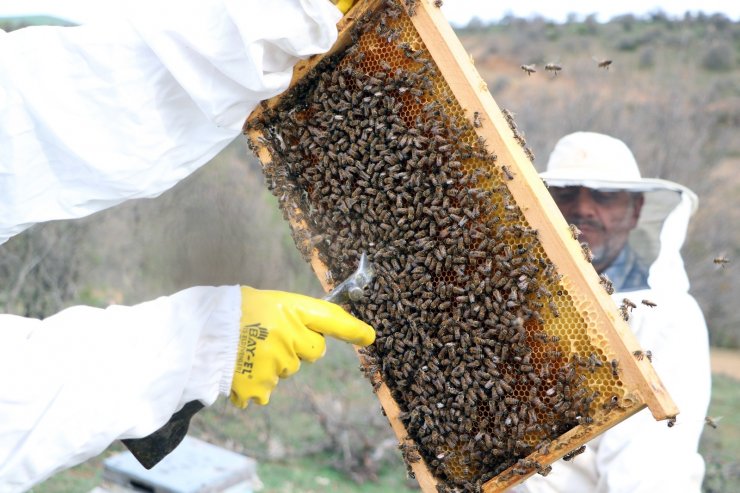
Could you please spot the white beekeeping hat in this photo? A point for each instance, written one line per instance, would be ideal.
(598, 161)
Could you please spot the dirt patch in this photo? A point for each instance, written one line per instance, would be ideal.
(726, 362)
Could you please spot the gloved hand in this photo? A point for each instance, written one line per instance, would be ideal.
(278, 330)
(343, 5)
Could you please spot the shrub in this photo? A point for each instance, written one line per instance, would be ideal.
(719, 58)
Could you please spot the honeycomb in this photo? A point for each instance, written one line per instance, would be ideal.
(490, 354)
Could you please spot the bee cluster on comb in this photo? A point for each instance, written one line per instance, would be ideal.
(482, 346)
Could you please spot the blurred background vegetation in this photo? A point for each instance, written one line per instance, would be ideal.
(672, 94)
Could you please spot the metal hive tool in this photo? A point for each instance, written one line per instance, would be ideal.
(499, 351)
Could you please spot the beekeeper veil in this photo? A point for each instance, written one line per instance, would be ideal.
(604, 163)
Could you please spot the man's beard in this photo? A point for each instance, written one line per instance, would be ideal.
(599, 252)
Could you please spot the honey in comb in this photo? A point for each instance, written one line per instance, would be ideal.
(478, 339)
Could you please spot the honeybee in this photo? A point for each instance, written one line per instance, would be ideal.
(554, 68)
(603, 63)
(543, 447)
(611, 403)
(529, 69)
(554, 309)
(437, 3)
(643, 354)
(589, 256)
(649, 303)
(476, 120)
(573, 453)
(671, 421)
(712, 421)
(721, 260)
(628, 303)
(624, 313)
(606, 283)
(615, 368)
(507, 172)
(594, 360)
(509, 115)
(574, 231)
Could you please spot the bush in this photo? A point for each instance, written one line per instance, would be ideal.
(647, 58)
(719, 58)
(627, 21)
(629, 43)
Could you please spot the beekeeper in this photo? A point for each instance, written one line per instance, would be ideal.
(92, 116)
(635, 228)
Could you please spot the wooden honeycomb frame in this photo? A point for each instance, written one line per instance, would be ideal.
(639, 385)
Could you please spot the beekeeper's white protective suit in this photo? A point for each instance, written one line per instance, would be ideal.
(641, 454)
(92, 116)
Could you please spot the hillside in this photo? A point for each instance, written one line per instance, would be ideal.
(672, 93)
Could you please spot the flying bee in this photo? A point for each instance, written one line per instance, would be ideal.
(639, 355)
(603, 63)
(529, 69)
(649, 303)
(624, 313)
(721, 260)
(628, 303)
(710, 421)
(554, 68)
(437, 3)
(671, 421)
(574, 231)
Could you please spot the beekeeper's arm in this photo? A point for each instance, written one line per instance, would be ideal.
(75, 382)
(642, 455)
(94, 115)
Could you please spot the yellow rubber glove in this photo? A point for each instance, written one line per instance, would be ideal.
(278, 330)
(343, 5)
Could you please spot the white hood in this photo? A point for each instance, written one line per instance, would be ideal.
(601, 162)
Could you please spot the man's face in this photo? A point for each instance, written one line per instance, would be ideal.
(604, 218)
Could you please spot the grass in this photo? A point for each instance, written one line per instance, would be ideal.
(314, 474)
(721, 447)
(80, 479)
(281, 436)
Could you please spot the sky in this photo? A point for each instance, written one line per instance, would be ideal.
(458, 12)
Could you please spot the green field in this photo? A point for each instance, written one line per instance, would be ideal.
(721, 447)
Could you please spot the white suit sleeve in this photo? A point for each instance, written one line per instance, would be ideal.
(644, 455)
(94, 115)
(75, 382)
